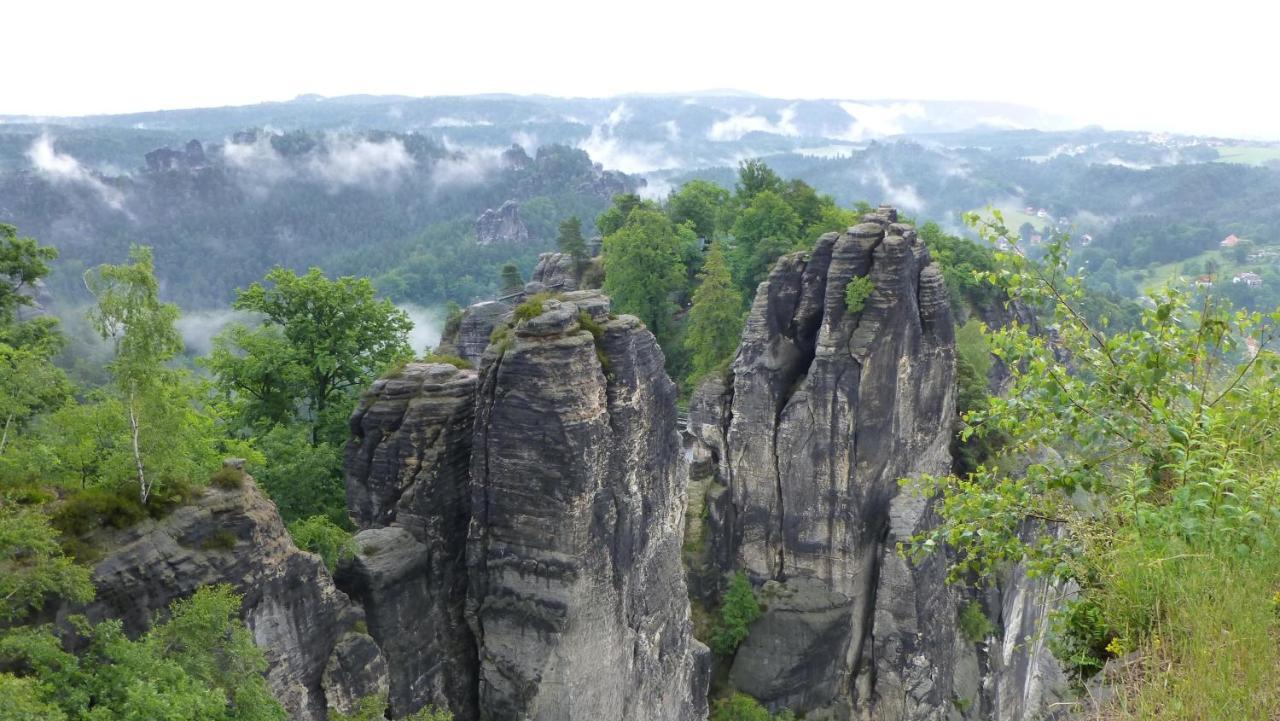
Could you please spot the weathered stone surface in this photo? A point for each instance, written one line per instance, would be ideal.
(501, 226)
(557, 271)
(303, 623)
(828, 409)
(474, 328)
(408, 485)
(577, 598)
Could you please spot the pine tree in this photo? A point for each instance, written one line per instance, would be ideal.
(512, 282)
(571, 241)
(715, 320)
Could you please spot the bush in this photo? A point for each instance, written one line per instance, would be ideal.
(973, 623)
(325, 538)
(452, 360)
(228, 478)
(737, 613)
(220, 540)
(856, 293)
(741, 707)
(373, 708)
(531, 308)
(93, 508)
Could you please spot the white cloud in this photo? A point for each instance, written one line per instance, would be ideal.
(199, 327)
(64, 169)
(739, 124)
(903, 196)
(877, 121)
(673, 130)
(426, 327)
(344, 161)
(606, 148)
(470, 166)
(447, 122)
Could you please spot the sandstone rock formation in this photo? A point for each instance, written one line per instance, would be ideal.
(556, 511)
(474, 328)
(409, 488)
(189, 158)
(577, 596)
(501, 226)
(826, 410)
(308, 629)
(555, 270)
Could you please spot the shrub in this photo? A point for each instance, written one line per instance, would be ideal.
(228, 478)
(94, 508)
(741, 707)
(220, 540)
(856, 293)
(452, 360)
(373, 708)
(531, 308)
(973, 623)
(739, 610)
(323, 537)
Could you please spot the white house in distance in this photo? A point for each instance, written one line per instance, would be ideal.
(1253, 280)
(1230, 241)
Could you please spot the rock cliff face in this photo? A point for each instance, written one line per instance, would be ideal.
(553, 517)
(474, 328)
(306, 626)
(555, 270)
(501, 226)
(827, 408)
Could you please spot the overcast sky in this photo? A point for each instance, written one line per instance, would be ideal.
(1180, 66)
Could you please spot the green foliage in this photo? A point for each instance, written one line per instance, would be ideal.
(512, 281)
(973, 364)
(200, 664)
(857, 292)
(32, 565)
(737, 613)
(570, 240)
(754, 178)
(373, 708)
(741, 707)
(23, 261)
(100, 507)
(303, 479)
(227, 478)
(220, 540)
(23, 701)
(715, 319)
(643, 269)
(531, 308)
(702, 204)
(617, 215)
(321, 340)
(323, 537)
(453, 360)
(973, 622)
(766, 229)
(1163, 470)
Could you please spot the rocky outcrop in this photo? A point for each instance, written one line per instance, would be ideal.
(501, 226)
(409, 489)
(474, 328)
(317, 658)
(520, 557)
(556, 271)
(577, 596)
(191, 157)
(828, 407)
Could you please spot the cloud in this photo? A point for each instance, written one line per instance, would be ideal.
(528, 141)
(447, 122)
(63, 169)
(739, 124)
(877, 121)
(606, 148)
(199, 327)
(462, 169)
(673, 130)
(426, 326)
(342, 161)
(353, 161)
(903, 196)
(655, 189)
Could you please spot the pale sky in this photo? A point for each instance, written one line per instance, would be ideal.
(1202, 67)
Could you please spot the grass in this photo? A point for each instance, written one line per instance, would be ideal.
(1213, 652)
(452, 360)
(228, 478)
(1249, 154)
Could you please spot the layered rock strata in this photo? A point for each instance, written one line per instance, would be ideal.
(570, 477)
(827, 408)
(309, 630)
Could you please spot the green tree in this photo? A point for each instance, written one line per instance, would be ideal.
(613, 218)
(512, 281)
(200, 664)
(739, 610)
(155, 399)
(570, 239)
(643, 269)
(755, 177)
(763, 232)
(715, 319)
(320, 341)
(23, 262)
(701, 203)
(32, 565)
